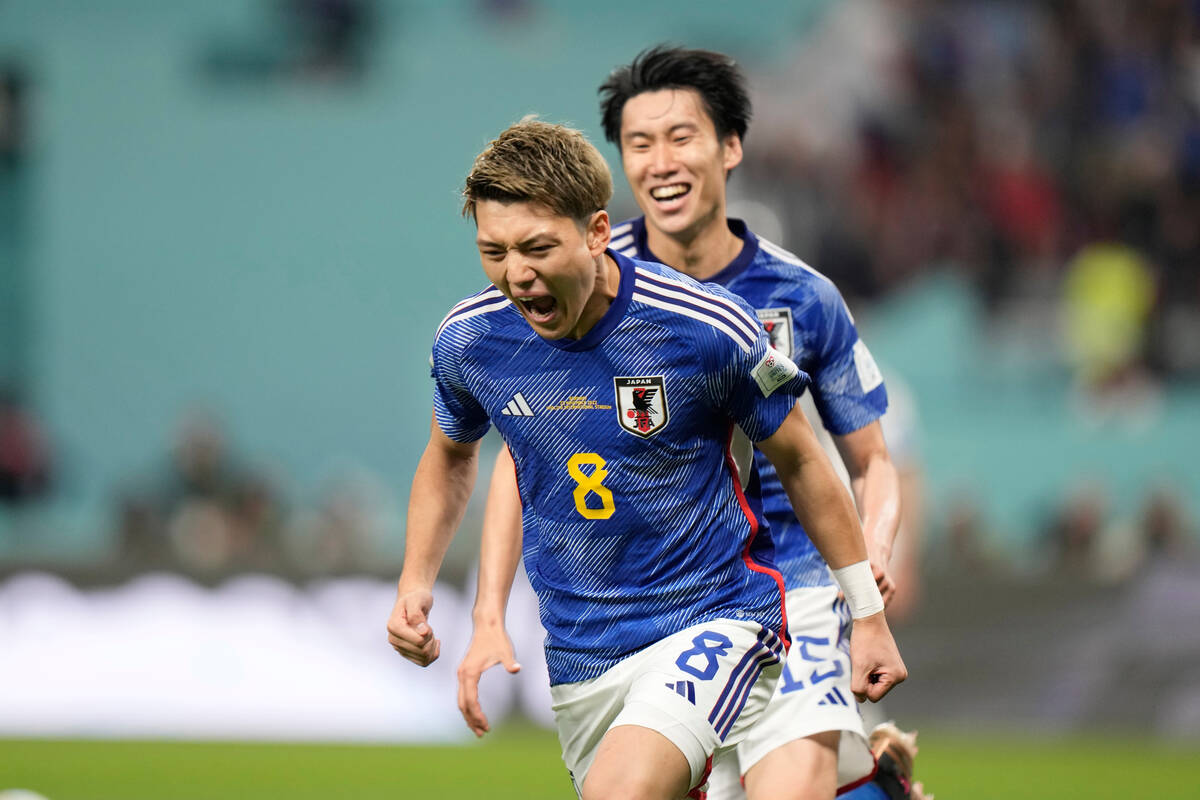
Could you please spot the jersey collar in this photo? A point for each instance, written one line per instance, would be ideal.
(611, 317)
(731, 270)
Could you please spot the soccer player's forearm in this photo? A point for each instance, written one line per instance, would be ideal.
(877, 494)
(875, 483)
(500, 549)
(440, 489)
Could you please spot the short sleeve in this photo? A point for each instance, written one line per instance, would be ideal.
(847, 385)
(458, 413)
(757, 386)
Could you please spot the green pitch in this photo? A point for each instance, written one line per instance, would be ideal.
(523, 763)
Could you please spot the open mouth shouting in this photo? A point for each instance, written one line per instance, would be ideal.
(670, 197)
(541, 309)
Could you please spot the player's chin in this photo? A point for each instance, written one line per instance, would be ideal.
(671, 221)
(545, 331)
(556, 327)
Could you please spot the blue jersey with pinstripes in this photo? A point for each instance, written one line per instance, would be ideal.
(808, 322)
(636, 524)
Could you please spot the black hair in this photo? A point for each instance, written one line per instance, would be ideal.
(715, 77)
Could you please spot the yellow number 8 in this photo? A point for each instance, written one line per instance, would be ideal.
(590, 484)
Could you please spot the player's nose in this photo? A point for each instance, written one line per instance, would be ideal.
(519, 271)
(662, 159)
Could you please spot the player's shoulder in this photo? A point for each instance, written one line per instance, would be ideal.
(793, 270)
(802, 285)
(626, 235)
(473, 314)
(688, 303)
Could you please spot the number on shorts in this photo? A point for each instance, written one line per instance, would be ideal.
(590, 484)
(789, 682)
(710, 645)
(816, 676)
(804, 642)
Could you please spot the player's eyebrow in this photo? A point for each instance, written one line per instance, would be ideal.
(529, 241)
(678, 126)
(538, 238)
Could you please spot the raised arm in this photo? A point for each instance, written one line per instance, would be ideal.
(440, 489)
(499, 556)
(876, 487)
(827, 513)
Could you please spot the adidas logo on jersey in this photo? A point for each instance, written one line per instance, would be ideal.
(517, 407)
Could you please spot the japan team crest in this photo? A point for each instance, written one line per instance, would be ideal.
(778, 322)
(642, 405)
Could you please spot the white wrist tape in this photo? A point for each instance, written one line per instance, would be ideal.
(858, 585)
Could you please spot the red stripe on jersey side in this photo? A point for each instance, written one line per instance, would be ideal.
(753, 520)
(516, 479)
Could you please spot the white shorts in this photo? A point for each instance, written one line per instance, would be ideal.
(813, 696)
(702, 688)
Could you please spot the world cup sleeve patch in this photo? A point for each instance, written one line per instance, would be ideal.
(772, 371)
(869, 376)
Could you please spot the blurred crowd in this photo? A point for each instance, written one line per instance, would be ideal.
(1048, 151)
(206, 509)
(1085, 538)
(1080, 537)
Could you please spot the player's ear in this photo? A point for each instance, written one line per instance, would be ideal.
(731, 152)
(598, 232)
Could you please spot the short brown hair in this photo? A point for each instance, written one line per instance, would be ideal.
(539, 162)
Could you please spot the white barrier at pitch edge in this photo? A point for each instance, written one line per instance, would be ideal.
(255, 658)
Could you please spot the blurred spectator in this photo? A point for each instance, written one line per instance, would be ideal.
(1108, 294)
(1074, 530)
(341, 533)
(12, 115)
(329, 37)
(25, 463)
(1160, 533)
(965, 548)
(203, 509)
(1165, 529)
(321, 41)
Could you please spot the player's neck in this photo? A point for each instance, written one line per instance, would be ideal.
(608, 284)
(701, 254)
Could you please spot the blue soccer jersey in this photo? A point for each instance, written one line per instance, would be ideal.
(808, 321)
(636, 524)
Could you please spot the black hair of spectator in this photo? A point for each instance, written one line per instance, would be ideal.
(717, 78)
